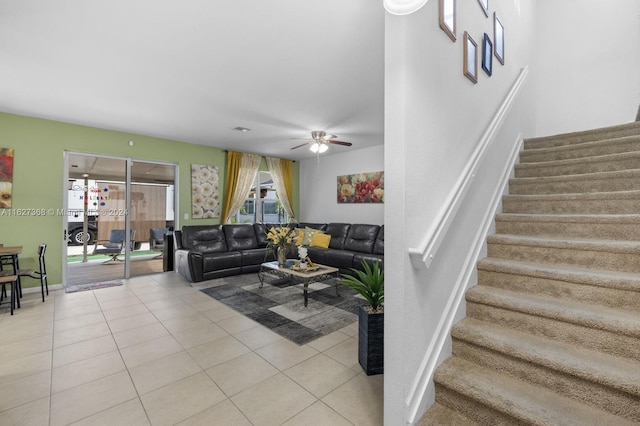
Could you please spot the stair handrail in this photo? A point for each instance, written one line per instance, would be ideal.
(423, 255)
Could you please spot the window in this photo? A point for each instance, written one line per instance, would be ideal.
(262, 203)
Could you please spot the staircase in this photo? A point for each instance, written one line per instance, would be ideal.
(552, 333)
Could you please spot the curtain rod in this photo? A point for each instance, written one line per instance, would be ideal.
(264, 156)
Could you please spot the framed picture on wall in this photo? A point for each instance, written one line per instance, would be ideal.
(361, 188)
(470, 62)
(487, 54)
(498, 38)
(448, 18)
(484, 4)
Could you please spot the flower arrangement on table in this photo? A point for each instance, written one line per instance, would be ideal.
(281, 238)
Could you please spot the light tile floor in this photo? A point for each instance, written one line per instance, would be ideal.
(158, 351)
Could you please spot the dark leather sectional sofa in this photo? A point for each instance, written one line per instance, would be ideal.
(205, 252)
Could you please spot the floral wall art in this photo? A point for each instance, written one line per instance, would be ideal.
(205, 198)
(361, 188)
(6, 177)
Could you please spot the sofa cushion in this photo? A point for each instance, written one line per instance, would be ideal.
(378, 247)
(338, 232)
(257, 256)
(320, 239)
(368, 258)
(261, 234)
(204, 238)
(318, 226)
(240, 237)
(220, 261)
(340, 259)
(361, 238)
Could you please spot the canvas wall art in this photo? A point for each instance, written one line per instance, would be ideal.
(361, 188)
(6, 177)
(205, 194)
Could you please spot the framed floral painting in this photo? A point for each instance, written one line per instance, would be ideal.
(6, 177)
(205, 198)
(361, 188)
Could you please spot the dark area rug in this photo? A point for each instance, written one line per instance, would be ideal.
(279, 305)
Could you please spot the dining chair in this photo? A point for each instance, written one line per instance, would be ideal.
(13, 280)
(40, 273)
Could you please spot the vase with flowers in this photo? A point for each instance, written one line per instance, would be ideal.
(280, 239)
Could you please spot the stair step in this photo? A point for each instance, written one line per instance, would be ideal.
(581, 150)
(608, 255)
(612, 289)
(609, 330)
(621, 202)
(574, 166)
(624, 180)
(621, 130)
(613, 227)
(439, 415)
(493, 398)
(605, 381)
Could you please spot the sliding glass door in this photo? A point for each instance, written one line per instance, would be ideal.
(114, 205)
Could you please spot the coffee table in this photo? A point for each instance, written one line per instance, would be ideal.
(298, 276)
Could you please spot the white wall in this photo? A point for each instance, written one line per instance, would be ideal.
(435, 118)
(587, 68)
(318, 186)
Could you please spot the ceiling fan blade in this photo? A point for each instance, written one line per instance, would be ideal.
(340, 143)
(306, 143)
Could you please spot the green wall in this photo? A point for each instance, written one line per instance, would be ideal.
(38, 177)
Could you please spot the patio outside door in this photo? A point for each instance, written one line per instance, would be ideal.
(109, 196)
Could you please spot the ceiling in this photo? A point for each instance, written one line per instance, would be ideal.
(194, 70)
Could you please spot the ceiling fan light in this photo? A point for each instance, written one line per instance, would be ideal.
(314, 147)
(323, 148)
(403, 7)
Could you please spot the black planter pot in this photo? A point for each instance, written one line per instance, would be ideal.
(371, 341)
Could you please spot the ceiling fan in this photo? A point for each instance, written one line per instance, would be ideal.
(320, 142)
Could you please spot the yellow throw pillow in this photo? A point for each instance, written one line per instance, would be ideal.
(320, 239)
(300, 237)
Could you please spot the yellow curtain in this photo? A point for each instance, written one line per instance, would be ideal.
(234, 160)
(287, 177)
(242, 170)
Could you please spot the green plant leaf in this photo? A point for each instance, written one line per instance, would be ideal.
(368, 282)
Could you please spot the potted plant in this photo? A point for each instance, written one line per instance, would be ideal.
(369, 282)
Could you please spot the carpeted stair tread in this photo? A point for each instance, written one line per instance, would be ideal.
(440, 415)
(578, 244)
(585, 244)
(615, 227)
(601, 163)
(583, 314)
(616, 202)
(528, 404)
(621, 130)
(607, 279)
(581, 150)
(622, 180)
(614, 372)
